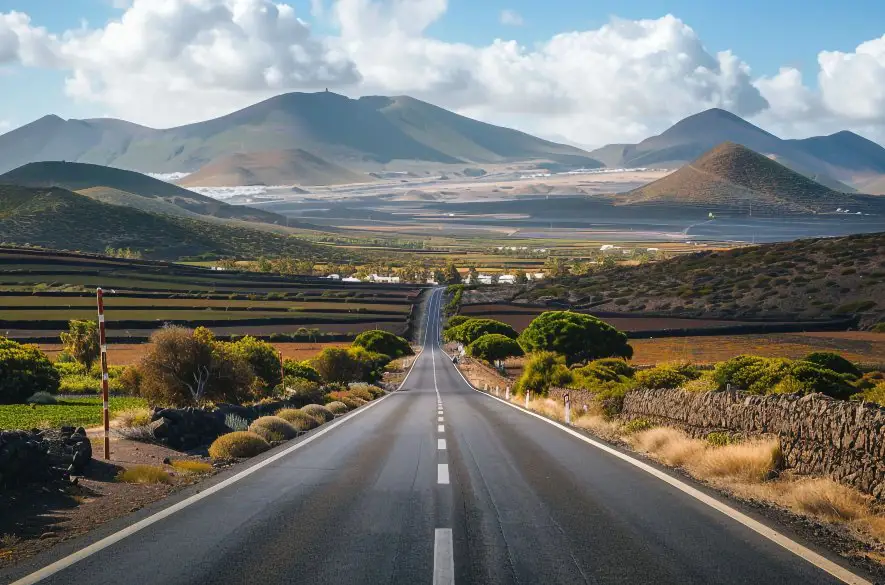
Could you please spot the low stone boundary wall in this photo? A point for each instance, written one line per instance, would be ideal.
(819, 435)
(41, 456)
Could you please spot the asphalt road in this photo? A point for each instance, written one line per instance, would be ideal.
(436, 483)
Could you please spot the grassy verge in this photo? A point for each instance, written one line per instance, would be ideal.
(84, 412)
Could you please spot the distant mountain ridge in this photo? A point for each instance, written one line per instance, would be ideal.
(829, 160)
(362, 135)
(732, 178)
(130, 189)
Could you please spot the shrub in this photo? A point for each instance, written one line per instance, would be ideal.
(454, 321)
(542, 371)
(577, 336)
(271, 427)
(144, 474)
(701, 385)
(70, 368)
(718, 439)
(236, 422)
(261, 356)
(299, 419)
(667, 376)
(618, 365)
(346, 398)
(130, 380)
(133, 417)
(472, 329)
(638, 425)
(875, 395)
(24, 370)
(833, 361)
(237, 445)
(301, 391)
(81, 341)
(185, 367)
(367, 392)
(319, 412)
(383, 342)
(41, 398)
(190, 466)
(302, 370)
(337, 407)
(350, 365)
(493, 347)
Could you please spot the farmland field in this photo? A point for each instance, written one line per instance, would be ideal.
(80, 411)
(124, 354)
(40, 291)
(859, 346)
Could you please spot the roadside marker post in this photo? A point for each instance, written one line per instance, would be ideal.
(497, 390)
(103, 344)
(507, 393)
(528, 396)
(568, 410)
(282, 371)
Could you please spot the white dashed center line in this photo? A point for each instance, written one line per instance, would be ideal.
(442, 473)
(441, 444)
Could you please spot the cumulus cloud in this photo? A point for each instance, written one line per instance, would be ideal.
(21, 42)
(511, 18)
(160, 55)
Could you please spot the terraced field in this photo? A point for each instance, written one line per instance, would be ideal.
(40, 291)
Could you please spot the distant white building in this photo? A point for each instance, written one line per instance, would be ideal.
(607, 247)
(334, 277)
(431, 281)
(351, 279)
(535, 275)
(484, 278)
(384, 279)
(507, 279)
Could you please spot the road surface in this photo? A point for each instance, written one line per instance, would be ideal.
(436, 483)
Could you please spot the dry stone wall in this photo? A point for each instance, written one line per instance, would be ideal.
(819, 435)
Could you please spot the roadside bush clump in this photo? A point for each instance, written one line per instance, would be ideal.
(133, 417)
(236, 422)
(190, 466)
(144, 474)
(617, 365)
(833, 361)
(81, 341)
(576, 336)
(638, 425)
(367, 392)
(345, 398)
(337, 407)
(299, 419)
(454, 321)
(542, 371)
(273, 428)
(24, 370)
(759, 375)
(319, 412)
(383, 342)
(472, 329)
(236, 445)
(347, 365)
(295, 369)
(667, 376)
(261, 356)
(301, 391)
(493, 347)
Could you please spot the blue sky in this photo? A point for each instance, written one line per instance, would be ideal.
(764, 34)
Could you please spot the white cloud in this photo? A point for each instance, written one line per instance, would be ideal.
(174, 61)
(511, 18)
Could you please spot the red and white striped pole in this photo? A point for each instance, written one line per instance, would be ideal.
(103, 343)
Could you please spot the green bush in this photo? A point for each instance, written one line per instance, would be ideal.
(472, 329)
(383, 342)
(301, 392)
(667, 376)
(493, 347)
(759, 375)
(337, 407)
(718, 439)
(81, 341)
(618, 365)
(454, 321)
(24, 370)
(69, 368)
(319, 412)
(543, 371)
(236, 445)
(299, 419)
(296, 369)
(273, 428)
(638, 425)
(577, 336)
(261, 356)
(355, 364)
(835, 362)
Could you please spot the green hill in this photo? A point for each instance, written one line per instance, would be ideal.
(732, 178)
(800, 280)
(130, 189)
(59, 219)
(279, 167)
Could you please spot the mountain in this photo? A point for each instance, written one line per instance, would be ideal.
(363, 135)
(276, 167)
(690, 138)
(735, 179)
(855, 156)
(131, 189)
(60, 219)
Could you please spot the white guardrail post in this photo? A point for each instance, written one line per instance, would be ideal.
(528, 397)
(568, 410)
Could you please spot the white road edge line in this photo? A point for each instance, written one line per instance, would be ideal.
(443, 557)
(107, 541)
(441, 444)
(794, 547)
(442, 473)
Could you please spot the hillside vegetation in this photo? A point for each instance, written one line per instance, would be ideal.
(130, 189)
(735, 179)
(802, 280)
(60, 219)
(278, 167)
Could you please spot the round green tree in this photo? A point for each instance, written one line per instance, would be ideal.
(384, 342)
(24, 370)
(472, 329)
(576, 336)
(494, 347)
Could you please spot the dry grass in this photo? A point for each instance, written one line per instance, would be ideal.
(299, 419)
(671, 446)
(191, 466)
(599, 425)
(547, 407)
(824, 498)
(144, 474)
(750, 461)
(337, 408)
(132, 417)
(236, 445)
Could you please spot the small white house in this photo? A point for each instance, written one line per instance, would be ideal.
(351, 279)
(507, 279)
(334, 277)
(484, 278)
(384, 279)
